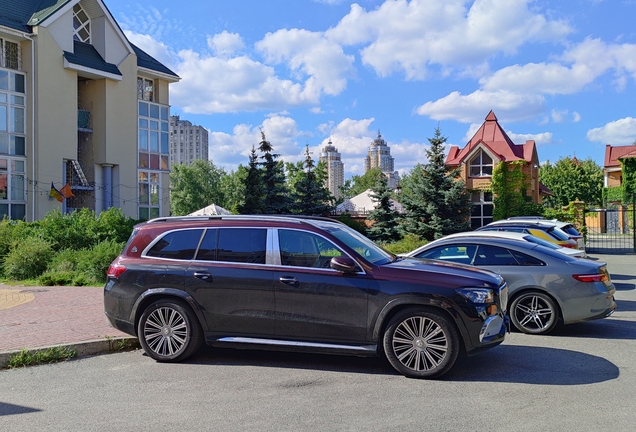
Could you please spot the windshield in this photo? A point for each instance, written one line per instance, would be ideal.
(356, 241)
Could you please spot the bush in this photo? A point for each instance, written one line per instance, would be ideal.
(96, 261)
(346, 219)
(406, 244)
(27, 259)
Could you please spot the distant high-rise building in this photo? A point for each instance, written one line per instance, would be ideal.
(379, 156)
(188, 142)
(335, 168)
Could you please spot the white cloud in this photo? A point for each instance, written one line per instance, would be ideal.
(225, 44)
(157, 50)
(409, 36)
(310, 56)
(474, 107)
(576, 117)
(540, 139)
(559, 116)
(213, 85)
(622, 131)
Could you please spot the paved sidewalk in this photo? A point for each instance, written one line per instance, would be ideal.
(41, 317)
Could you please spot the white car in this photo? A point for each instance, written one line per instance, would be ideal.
(568, 228)
(577, 253)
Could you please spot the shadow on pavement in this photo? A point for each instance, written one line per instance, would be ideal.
(10, 409)
(624, 286)
(534, 365)
(607, 328)
(513, 364)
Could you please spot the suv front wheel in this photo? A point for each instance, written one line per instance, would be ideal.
(421, 343)
(169, 331)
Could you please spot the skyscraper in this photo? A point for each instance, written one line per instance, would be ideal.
(335, 168)
(188, 142)
(379, 156)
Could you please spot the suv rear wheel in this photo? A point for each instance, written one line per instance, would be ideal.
(169, 331)
(420, 343)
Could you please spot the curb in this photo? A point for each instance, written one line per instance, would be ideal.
(87, 348)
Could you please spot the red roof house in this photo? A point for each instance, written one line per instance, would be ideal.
(612, 169)
(488, 147)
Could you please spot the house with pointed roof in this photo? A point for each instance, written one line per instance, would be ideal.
(477, 159)
(612, 167)
(83, 111)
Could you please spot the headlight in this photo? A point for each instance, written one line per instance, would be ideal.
(477, 295)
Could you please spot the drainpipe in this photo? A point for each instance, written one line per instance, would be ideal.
(108, 186)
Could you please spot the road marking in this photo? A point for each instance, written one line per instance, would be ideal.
(12, 298)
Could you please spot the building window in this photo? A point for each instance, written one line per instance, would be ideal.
(81, 25)
(481, 212)
(12, 145)
(9, 54)
(145, 89)
(154, 155)
(481, 165)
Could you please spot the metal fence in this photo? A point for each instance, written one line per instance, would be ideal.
(611, 230)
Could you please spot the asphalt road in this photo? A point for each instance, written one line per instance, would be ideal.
(580, 378)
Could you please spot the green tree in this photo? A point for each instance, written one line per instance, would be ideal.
(434, 197)
(361, 183)
(276, 199)
(570, 180)
(195, 186)
(233, 186)
(385, 218)
(310, 197)
(254, 189)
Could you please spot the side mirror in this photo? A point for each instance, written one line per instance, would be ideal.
(344, 264)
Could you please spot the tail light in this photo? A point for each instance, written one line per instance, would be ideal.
(601, 276)
(115, 270)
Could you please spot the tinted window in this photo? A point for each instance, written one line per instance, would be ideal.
(526, 260)
(462, 254)
(570, 230)
(494, 256)
(244, 245)
(207, 250)
(558, 234)
(177, 245)
(303, 249)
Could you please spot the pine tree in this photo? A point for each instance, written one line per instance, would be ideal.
(434, 197)
(254, 191)
(385, 218)
(276, 199)
(310, 197)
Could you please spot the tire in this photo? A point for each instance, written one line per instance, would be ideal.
(534, 312)
(420, 343)
(169, 331)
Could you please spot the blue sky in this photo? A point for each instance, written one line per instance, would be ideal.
(560, 73)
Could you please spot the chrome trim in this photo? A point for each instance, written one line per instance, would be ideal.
(287, 343)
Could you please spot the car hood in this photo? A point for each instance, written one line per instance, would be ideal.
(441, 273)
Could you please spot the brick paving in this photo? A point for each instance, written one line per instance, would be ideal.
(34, 317)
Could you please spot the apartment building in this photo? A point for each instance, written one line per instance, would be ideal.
(379, 156)
(335, 168)
(81, 107)
(188, 142)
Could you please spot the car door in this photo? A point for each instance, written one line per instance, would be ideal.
(313, 301)
(231, 280)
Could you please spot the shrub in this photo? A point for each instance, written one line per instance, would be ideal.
(346, 219)
(95, 262)
(27, 259)
(406, 244)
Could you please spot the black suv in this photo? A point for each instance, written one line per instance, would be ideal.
(301, 284)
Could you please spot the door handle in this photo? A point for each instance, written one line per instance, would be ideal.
(203, 276)
(287, 280)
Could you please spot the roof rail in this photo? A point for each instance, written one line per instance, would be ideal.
(260, 217)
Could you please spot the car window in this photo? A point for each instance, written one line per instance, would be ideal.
(356, 241)
(462, 254)
(177, 245)
(569, 229)
(525, 260)
(304, 249)
(494, 256)
(558, 234)
(540, 241)
(207, 250)
(243, 245)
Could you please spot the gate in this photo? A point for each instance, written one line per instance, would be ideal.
(611, 230)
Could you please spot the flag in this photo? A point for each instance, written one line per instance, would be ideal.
(55, 193)
(66, 191)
